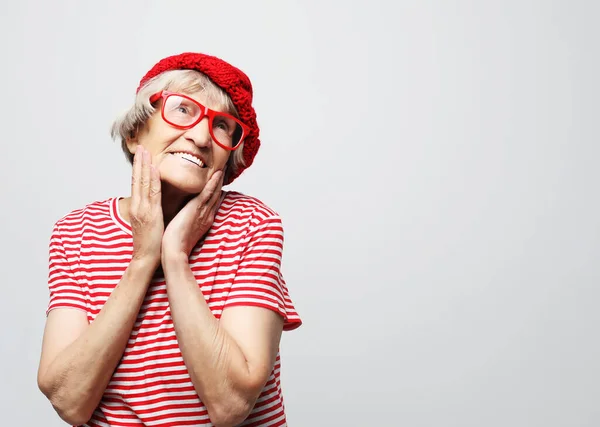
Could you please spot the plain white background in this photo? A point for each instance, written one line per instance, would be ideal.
(435, 164)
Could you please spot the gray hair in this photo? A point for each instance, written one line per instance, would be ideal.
(189, 81)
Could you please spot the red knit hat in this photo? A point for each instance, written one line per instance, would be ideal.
(229, 78)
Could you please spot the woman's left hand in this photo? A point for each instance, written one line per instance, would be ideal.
(194, 220)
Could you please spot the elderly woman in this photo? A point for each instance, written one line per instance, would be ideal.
(166, 308)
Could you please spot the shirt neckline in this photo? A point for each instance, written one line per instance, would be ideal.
(126, 226)
(116, 216)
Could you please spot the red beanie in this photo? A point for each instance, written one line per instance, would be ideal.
(232, 80)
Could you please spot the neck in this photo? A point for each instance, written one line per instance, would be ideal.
(173, 201)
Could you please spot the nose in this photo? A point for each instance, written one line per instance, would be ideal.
(200, 134)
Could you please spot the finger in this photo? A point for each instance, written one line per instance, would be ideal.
(206, 210)
(205, 201)
(211, 186)
(136, 174)
(217, 193)
(215, 203)
(212, 206)
(155, 192)
(145, 178)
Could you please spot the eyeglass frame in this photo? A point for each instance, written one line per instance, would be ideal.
(204, 112)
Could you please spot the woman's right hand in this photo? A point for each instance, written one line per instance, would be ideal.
(145, 210)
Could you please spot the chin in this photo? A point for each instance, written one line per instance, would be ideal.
(185, 186)
(184, 180)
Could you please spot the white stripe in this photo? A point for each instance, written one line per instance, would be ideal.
(147, 352)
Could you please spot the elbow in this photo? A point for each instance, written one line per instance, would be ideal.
(73, 416)
(232, 404)
(228, 417)
(229, 413)
(70, 410)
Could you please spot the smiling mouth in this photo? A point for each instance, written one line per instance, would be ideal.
(190, 158)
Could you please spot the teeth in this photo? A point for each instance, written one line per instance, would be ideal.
(191, 158)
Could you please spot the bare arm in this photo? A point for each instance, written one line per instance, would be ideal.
(78, 359)
(230, 360)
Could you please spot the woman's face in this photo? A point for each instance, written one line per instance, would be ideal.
(170, 146)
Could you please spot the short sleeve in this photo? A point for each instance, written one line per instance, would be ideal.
(64, 289)
(259, 281)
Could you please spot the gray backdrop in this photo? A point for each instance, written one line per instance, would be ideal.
(435, 164)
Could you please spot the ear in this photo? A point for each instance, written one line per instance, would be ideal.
(132, 141)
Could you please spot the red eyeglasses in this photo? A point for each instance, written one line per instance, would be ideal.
(183, 112)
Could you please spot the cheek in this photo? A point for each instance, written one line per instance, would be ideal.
(158, 159)
(159, 137)
(220, 158)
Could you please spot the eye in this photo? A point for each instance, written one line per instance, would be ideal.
(221, 125)
(177, 105)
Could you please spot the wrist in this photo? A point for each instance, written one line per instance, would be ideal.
(142, 268)
(146, 257)
(173, 258)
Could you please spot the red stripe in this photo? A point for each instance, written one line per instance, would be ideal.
(237, 265)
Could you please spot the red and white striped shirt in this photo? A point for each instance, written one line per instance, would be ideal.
(238, 263)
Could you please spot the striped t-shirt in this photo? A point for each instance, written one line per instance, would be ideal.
(238, 263)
